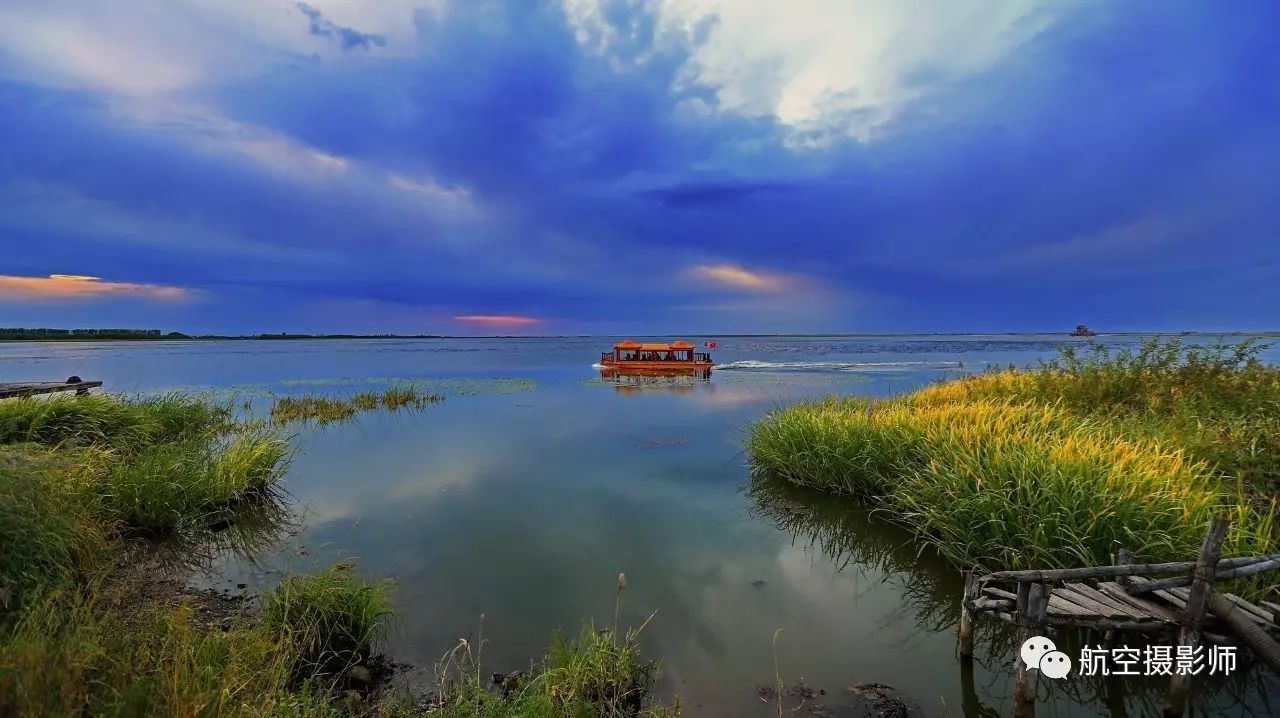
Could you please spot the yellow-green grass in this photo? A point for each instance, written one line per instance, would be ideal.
(995, 474)
(596, 675)
(74, 653)
(330, 409)
(77, 475)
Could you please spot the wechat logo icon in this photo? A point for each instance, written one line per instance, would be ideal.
(1041, 654)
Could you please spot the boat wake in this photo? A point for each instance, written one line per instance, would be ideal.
(857, 366)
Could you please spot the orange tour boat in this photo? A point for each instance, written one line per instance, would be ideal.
(677, 356)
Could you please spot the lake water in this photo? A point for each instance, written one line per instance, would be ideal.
(524, 503)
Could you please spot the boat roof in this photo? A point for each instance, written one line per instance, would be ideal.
(628, 344)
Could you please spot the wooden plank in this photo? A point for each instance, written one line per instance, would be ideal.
(1063, 607)
(1274, 608)
(994, 592)
(1114, 590)
(1102, 609)
(1175, 601)
(32, 388)
(1108, 624)
(1116, 609)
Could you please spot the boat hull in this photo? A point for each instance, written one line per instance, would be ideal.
(652, 367)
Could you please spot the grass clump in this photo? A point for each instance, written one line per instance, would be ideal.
(1220, 403)
(76, 652)
(79, 636)
(592, 676)
(333, 618)
(1055, 467)
(327, 410)
(126, 425)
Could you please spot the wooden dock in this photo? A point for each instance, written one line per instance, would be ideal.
(32, 388)
(1181, 607)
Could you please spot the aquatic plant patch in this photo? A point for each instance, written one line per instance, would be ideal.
(999, 471)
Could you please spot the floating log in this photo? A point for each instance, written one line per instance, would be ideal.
(1241, 620)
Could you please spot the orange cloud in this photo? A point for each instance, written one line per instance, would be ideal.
(497, 320)
(75, 286)
(737, 276)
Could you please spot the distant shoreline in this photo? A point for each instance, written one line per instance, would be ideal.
(175, 337)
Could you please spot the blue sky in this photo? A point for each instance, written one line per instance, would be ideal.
(589, 166)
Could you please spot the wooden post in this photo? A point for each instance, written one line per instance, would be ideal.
(1033, 605)
(966, 616)
(1123, 558)
(1198, 600)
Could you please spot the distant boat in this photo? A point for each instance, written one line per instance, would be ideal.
(677, 356)
(1083, 331)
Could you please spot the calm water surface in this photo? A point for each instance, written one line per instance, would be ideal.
(524, 506)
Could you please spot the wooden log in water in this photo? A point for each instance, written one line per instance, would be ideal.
(1197, 602)
(1246, 627)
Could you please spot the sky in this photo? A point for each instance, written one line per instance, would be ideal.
(624, 167)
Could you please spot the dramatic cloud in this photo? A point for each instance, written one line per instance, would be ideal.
(644, 165)
(72, 286)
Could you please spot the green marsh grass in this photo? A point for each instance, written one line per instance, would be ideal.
(75, 653)
(595, 675)
(109, 421)
(1055, 467)
(334, 617)
(80, 475)
(332, 409)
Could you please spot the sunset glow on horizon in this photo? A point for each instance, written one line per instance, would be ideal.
(79, 286)
(497, 320)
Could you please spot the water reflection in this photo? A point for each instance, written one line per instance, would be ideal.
(853, 538)
(675, 381)
(246, 531)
